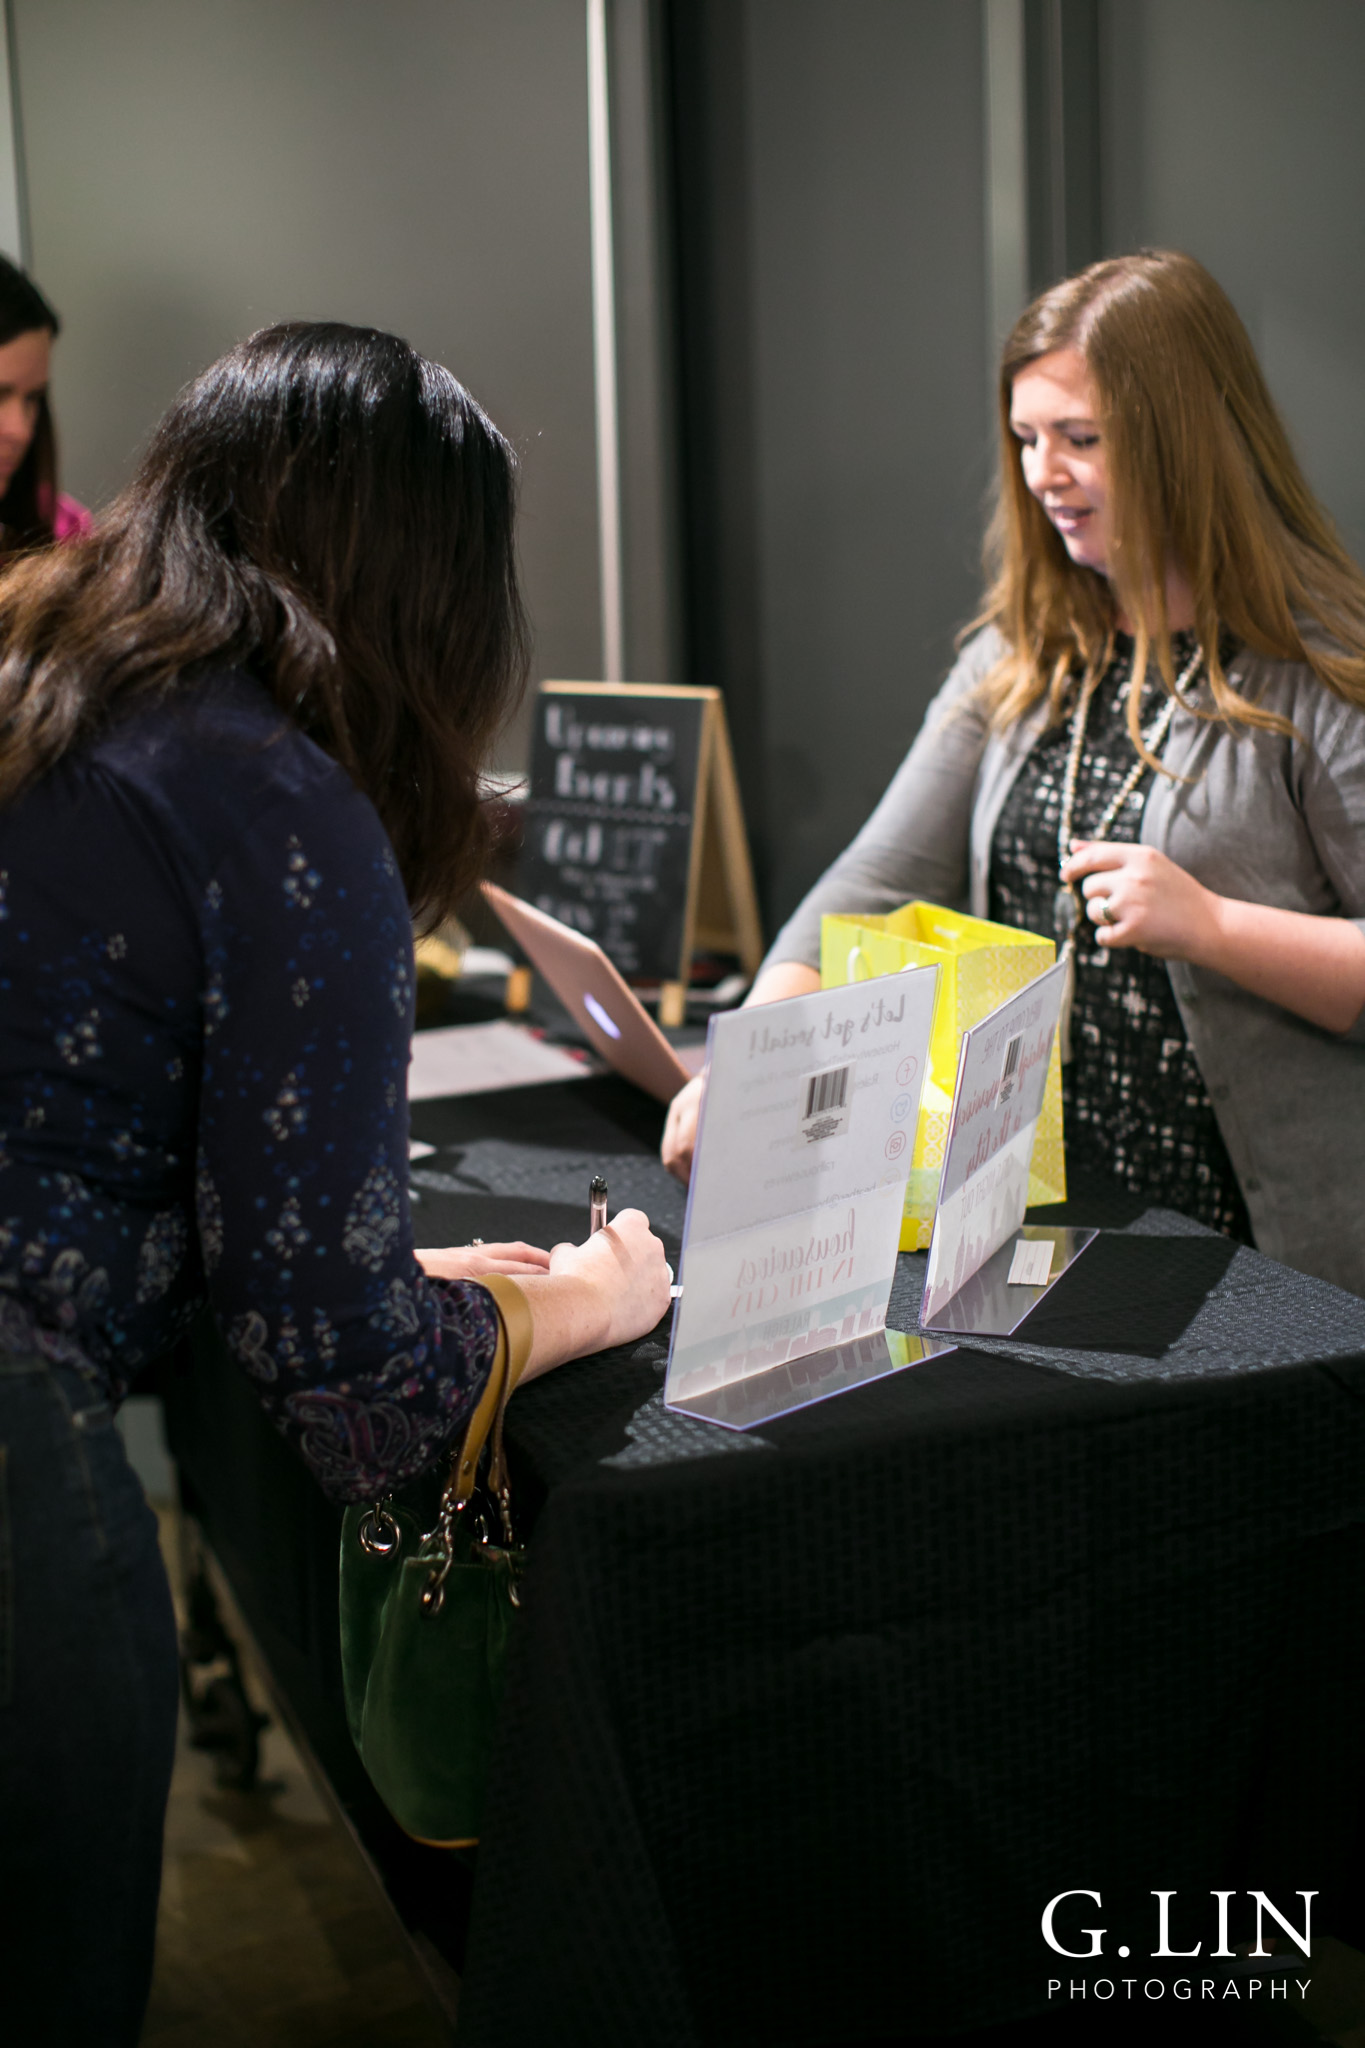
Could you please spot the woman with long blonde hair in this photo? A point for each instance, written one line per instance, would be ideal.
(1152, 746)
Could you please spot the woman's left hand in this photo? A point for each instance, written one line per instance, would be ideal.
(472, 1261)
(1311, 965)
(1135, 896)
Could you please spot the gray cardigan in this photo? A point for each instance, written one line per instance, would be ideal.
(1261, 816)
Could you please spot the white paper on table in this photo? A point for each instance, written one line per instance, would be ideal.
(798, 1180)
(1031, 1265)
(473, 1059)
(1001, 1081)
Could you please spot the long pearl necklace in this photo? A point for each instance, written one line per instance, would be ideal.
(1068, 904)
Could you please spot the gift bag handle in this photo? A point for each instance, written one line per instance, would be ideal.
(856, 954)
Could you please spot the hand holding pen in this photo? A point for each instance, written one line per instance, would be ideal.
(597, 1220)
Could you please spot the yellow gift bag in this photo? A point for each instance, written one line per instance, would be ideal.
(979, 965)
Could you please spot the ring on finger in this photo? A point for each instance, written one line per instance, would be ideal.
(1108, 915)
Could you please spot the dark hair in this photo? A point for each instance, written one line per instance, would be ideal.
(324, 506)
(29, 505)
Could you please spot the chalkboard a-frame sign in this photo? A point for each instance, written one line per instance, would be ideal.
(634, 832)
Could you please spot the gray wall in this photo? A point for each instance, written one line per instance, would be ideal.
(853, 513)
(1233, 129)
(852, 463)
(197, 168)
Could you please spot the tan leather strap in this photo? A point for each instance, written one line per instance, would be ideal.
(509, 1362)
(515, 1311)
(466, 1466)
(518, 1330)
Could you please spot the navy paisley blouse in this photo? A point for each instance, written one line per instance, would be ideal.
(206, 1001)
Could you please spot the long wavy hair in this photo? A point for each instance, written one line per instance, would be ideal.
(328, 509)
(29, 506)
(1200, 472)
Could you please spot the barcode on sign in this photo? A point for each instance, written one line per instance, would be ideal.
(825, 1103)
(1009, 1079)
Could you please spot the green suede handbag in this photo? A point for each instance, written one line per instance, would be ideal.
(425, 1620)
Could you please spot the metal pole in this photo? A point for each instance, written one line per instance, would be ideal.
(13, 207)
(1007, 252)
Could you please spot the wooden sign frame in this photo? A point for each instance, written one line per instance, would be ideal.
(721, 910)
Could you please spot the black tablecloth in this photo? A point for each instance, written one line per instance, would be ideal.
(804, 1728)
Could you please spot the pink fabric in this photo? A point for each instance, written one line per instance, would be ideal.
(71, 518)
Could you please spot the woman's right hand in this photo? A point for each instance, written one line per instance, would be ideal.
(680, 1129)
(609, 1290)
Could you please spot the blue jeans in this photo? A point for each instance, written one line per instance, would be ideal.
(88, 1700)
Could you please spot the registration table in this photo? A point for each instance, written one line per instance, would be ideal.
(804, 1727)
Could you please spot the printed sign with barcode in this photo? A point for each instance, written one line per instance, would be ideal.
(1009, 1078)
(825, 1103)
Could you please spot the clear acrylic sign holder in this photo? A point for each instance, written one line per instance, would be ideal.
(982, 1279)
(795, 1203)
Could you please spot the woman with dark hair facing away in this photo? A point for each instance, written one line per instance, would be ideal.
(32, 510)
(1153, 743)
(242, 724)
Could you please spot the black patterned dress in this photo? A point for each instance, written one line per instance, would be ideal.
(1134, 1102)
